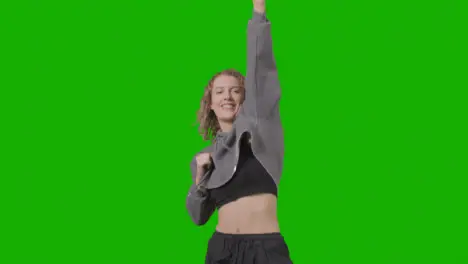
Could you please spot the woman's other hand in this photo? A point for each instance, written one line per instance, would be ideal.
(203, 164)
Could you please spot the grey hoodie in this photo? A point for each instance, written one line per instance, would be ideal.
(258, 116)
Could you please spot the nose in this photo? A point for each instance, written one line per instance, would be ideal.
(227, 96)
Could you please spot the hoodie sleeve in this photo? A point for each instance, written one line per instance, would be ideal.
(262, 85)
(199, 206)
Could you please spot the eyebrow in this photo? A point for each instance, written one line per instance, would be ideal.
(218, 87)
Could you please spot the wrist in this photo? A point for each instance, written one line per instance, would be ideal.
(258, 17)
(259, 9)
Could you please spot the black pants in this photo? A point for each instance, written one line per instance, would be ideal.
(247, 249)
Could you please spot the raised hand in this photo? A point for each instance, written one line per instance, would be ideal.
(259, 6)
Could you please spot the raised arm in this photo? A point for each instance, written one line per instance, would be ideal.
(262, 93)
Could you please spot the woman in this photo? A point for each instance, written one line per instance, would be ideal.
(239, 173)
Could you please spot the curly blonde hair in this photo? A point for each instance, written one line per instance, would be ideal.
(208, 122)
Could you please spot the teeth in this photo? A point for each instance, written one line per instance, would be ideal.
(228, 106)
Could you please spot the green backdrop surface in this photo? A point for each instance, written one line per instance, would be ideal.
(103, 128)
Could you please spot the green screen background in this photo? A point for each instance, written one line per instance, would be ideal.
(100, 131)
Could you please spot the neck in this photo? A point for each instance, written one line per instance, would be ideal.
(225, 127)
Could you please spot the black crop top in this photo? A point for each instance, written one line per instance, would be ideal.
(250, 178)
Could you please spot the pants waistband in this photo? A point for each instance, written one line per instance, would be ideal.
(263, 236)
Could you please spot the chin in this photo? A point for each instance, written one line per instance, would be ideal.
(227, 118)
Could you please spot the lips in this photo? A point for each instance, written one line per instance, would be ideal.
(228, 107)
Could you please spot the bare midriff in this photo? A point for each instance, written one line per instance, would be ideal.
(256, 214)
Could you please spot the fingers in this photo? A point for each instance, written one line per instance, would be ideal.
(259, 6)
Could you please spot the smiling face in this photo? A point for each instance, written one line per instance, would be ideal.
(226, 98)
